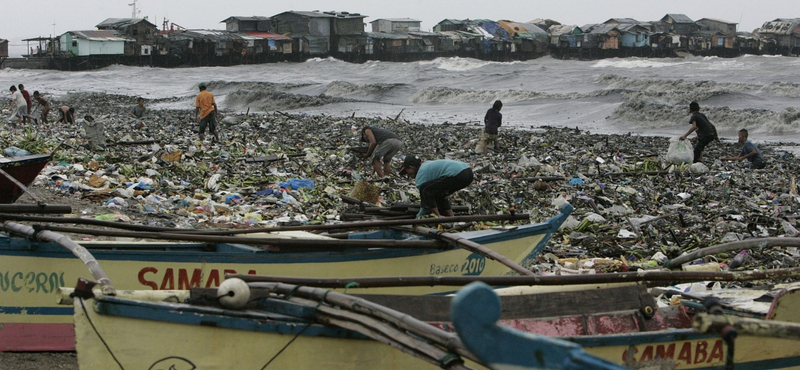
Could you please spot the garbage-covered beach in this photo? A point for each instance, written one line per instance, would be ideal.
(633, 209)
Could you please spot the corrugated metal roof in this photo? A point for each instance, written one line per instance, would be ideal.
(119, 22)
(384, 35)
(251, 18)
(602, 29)
(308, 14)
(99, 35)
(679, 18)
(780, 26)
(268, 35)
(396, 20)
(623, 20)
(715, 20)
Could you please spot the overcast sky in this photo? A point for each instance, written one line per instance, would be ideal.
(47, 17)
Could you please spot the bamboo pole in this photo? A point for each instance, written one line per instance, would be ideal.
(273, 242)
(91, 263)
(360, 305)
(734, 246)
(707, 323)
(36, 208)
(471, 246)
(668, 277)
(341, 226)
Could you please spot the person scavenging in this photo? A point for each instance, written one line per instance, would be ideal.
(66, 114)
(19, 106)
(28, 102)
(137, 113)
(383, 146)
(437, 180)
(206, 112)
(706, 132)
(491, 122)
(749, 152)
(44, 104)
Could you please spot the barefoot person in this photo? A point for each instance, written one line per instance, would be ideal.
(436, 180)
(383, 145)
(749, 152)
(706, 132)
(206, 112)
(44, 104)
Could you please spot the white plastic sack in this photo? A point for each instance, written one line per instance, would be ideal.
(680, 151)
(698, 168)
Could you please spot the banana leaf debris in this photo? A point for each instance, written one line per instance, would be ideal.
(633, 209)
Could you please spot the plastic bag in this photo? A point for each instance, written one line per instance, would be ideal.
(680, 151)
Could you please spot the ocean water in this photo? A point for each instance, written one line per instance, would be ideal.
(632, 95)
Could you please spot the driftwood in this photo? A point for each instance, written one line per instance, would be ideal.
(733, 246)
(664, 277)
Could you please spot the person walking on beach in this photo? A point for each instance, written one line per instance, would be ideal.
(706, 132)
(138, 112)
(205, 113)
(749, 152)
(491, 122)
(44, 104)
(66, 115)
(28, 102)
(436, 180)
(19, 106)
(383, 145)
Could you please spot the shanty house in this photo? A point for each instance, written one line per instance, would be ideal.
(782, 35)
(3, 48)
(264, 46)
(347, 31)
(138, 29)
(390, 25)
(680, 24)
(566, 36)
(449, 25)
(93, 42)
(311, 31)
(247, 24)
(607, 36)
(633, 35)
(527, 41)
(727, 28)
(386, 46)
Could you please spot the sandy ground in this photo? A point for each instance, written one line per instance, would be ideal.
(38, 360)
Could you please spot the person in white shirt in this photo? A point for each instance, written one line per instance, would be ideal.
(19, 106)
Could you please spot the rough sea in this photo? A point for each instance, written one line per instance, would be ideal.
(631, 95)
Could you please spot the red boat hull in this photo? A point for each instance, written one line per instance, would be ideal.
(23, 168)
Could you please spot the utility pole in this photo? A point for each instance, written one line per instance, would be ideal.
(135, 11)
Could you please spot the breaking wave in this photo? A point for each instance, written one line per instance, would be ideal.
(460, 64)
(447, 95)
(376, 91)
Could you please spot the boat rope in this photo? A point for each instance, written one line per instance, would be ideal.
(286, 346)
(447, 360)
(89, 319)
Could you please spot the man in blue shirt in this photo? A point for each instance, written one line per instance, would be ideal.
(749, 152)
(436, 180)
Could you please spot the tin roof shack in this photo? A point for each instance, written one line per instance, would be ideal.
(347, 31)
(606, 38)
(497, 44)
(139, 29)
(311, 31)
(466, 44)
(449, 25)
(83, 50)
(748, 43)
(201, 48)
(386, 46)
(682, 26)
(261, 47)
(3, 48)
(634, 40)
(526, 42)
(780, 36)
(390, 25)
(727, 28)
(712, 43)
(434, 44)
(247, 24)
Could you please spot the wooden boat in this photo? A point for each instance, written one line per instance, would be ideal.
(109, 332)
(23, 169)
(33, 266)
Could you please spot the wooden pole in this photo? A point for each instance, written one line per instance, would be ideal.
(668, 277)
(707, 323)
(341, 226)
(471, 246)
(272, 242)
(36, 208)
(734, 246)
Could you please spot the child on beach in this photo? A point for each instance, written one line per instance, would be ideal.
(749, 152)
(491, 121)
(42, 103)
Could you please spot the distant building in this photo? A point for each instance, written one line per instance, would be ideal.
(3, 48)
(391, 25)
(139, 29)
(449, 25)
(310, 30)
(247, 24)
(727, 28)
(102, 42)
(680, 24)
(781, 36)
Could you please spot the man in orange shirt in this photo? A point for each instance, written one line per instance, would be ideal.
(206, 112)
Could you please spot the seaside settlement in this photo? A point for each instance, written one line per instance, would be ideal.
(299, 35)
